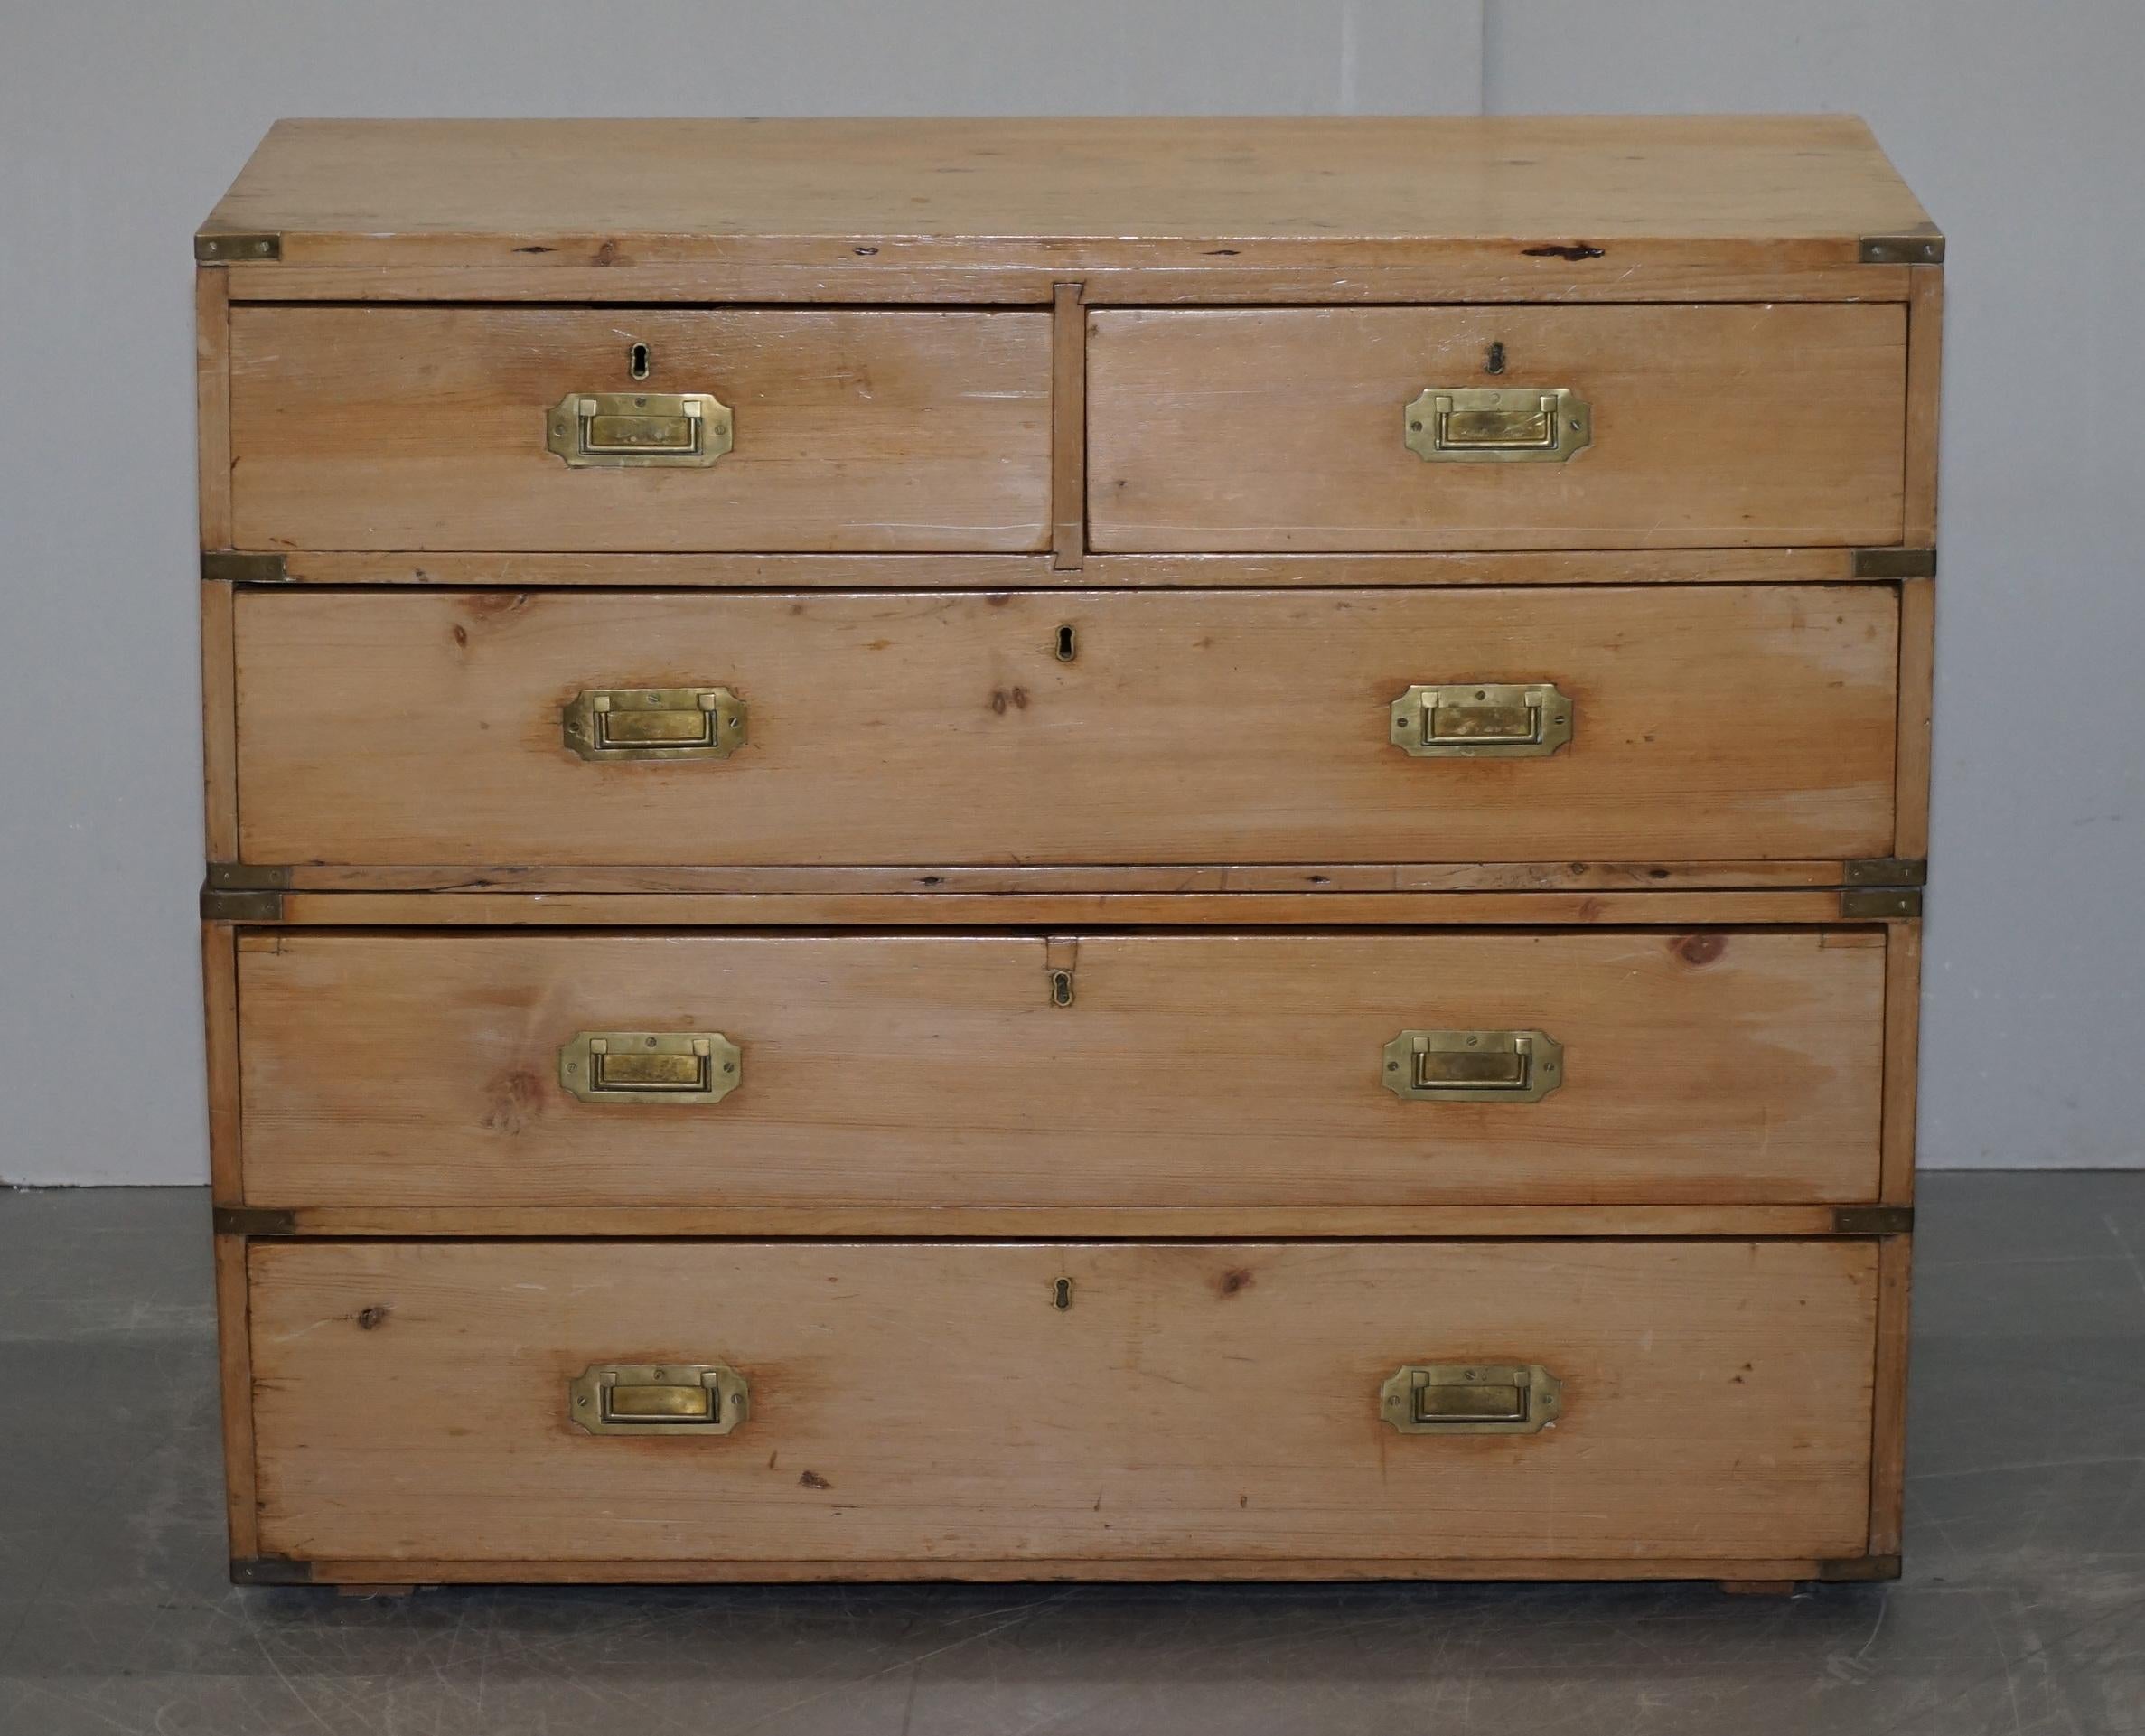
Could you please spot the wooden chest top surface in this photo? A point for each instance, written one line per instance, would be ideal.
(1686, 188)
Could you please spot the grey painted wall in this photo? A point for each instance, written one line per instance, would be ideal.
(119, 124)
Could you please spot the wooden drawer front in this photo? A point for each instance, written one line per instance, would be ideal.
(1712, 427)
(425, 728)
(1713, 1066)
(426, 429)
(929, 1401)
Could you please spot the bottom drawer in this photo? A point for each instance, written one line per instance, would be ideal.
(1062, 1402)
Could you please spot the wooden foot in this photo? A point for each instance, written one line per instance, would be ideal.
(1759, 1588)
(374, 1590)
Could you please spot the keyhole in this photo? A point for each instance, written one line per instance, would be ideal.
(1060, 987)
(1061, 1294)
(637, 362)
(1495, 362)
(1068, 643)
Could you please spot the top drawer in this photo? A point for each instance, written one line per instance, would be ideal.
(1709, 426)
(431, 428)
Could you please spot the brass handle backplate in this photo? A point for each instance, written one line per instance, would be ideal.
(667, 1398)
(1498, 426)
(650, 1066)
(614, 723)
(1474, 1067)
(1483, 720)
(650, 430)
(1471, 1398)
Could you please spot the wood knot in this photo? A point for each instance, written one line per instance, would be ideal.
(1234, 1279)
(370, 1318)
(1698, 948)
(813, 1480)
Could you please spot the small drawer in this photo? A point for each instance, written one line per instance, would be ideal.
(516, 1403)
(1553, 724)
(1393, 1067)
(1385, 429)
(636, 429)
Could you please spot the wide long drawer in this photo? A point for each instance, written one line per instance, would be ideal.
(962, 1402)
(1382, 1068)
(1395, 428)
(627, 428)
(1596, 724)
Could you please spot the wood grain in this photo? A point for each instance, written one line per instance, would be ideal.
(1902, 1047)
(432, 1572)
(1713, 723)
(1283, 428)
(234, 1395)
(219, 1000)
(1013, 274)
(1058, 909)
(219, 724)
(1031, 881)
(1068, 437)
(212, 403)
(1917, 693)
(1621, 191)
(926, 1401)
(423, 429)
(451, 570)
(1887, 1461)
(933, 1069)
(1925, 403)
(1135, 1223)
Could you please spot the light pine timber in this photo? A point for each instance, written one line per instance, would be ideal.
(451, 570)
(1196, 1401)
(1765, 193)
(1902, 1047)
(1917, 673)
(1713, 723)
(1283, 428)
(1056, 909)
(423, 428)
(934, 1070)
(235, 1396)
(1887, 1468)
(212, 407)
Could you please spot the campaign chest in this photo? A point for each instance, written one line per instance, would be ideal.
(1034, 849)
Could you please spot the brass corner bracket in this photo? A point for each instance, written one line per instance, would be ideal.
(1923, 248)
(254, 1220)
(243, 892)
(1894, 563)
(270, 1570)
(227, 566)
(1872, 1220)
(252, 247)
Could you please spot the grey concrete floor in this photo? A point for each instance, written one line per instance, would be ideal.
(2022, 1611)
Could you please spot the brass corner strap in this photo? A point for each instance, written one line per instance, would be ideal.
(1872, 1220)
(250, 247)
(243, 892)
(1887, 871)
(254, 1220)
(1879, 903)
(228, 566)
(270, 1570)
(1894, 563)
(1924, 247)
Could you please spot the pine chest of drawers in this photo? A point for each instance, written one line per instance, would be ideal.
(1066, 849)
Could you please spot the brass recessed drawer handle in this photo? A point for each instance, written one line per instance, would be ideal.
(652, 430)
(1483, 720)
(1500, 426)
(691, 1399)
(614, 723)
(1474, 1067)
(1471, 1398)
(650, 1066)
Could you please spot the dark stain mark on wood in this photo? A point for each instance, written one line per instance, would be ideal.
(1574, 250)
(813, 1480)
(1235, 1279)
(1700, 948)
